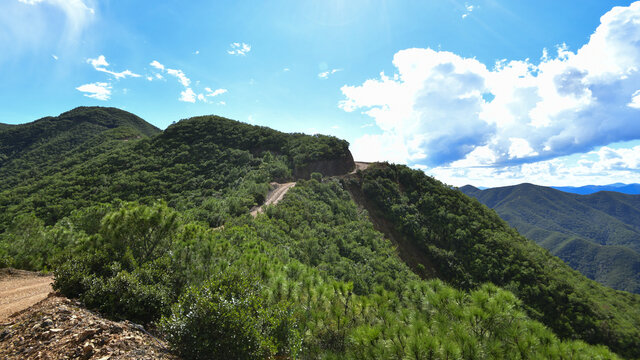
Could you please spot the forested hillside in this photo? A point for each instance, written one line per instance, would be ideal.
(597, 234)
(30, 149)
(466, 244)
(191, 164)
(157, 230)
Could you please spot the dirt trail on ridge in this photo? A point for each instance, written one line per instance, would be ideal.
(360, 165)
(273, 197)
(20, 289)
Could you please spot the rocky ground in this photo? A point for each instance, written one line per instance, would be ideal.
(59, 328)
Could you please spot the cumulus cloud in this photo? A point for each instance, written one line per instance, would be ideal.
(325, 74)
(239, 48)
(100, 64)
(440, 108)
(188, 95)
(157, 65)
(98, 90)
(605, 165)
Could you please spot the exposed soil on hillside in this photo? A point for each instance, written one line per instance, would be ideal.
(58, 328)
(20, 289)
(409, 252)
(274, 196)
(361, 165)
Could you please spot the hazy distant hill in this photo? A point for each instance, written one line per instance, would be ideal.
(590, 189)
(597, 234)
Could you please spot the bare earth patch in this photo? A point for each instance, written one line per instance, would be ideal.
(20, 289)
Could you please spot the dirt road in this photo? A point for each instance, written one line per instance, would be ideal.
(274, 196)
(21, 289)
(360, 165)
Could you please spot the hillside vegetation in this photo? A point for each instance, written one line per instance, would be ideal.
(157, 230)
(597, 234)
(466, 244)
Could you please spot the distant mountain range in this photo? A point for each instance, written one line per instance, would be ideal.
(597, 234)
(633, 189)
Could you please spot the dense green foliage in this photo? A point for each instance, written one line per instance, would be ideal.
(467, 244)
(241, 291)
(157, 230)
(597, 234)
(212, 162)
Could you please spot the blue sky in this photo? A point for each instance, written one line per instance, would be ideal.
(413, 82)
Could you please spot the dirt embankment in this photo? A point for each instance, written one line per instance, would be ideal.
(37, 324)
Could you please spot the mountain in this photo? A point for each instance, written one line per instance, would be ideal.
(381, 262)
(590, 189)
(597, 234)
(461, 241)
(33, 150)
(53, 172)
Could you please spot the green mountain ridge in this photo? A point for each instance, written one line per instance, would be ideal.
(596, 234)
(156, 229)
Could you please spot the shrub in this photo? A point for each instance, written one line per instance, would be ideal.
(226, 318)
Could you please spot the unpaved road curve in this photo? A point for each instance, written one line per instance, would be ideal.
(21, 289)
(360, 165)
(274, 196)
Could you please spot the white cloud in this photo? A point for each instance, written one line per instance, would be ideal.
(101, 61)
(286, 70)
(100, 64)
(98, 90)
(188, 95)
(325, 74)
(182, 78)
(159, 76)
(468, 9)
(635, 100)
(157, 65)
(603, 166)
(442, 109)
(197, 52)
(215, 92)
(239, 48)
(150, 78)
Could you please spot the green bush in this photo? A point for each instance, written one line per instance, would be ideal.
(226, 318)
